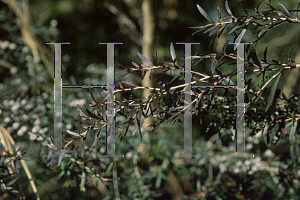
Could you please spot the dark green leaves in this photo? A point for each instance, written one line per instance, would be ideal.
(97, 137)
(265, 54)
(272, 94)
(213, 66)
(204, 13)
(254, 57)
(61, 156)
(92, 95)
(91, 114)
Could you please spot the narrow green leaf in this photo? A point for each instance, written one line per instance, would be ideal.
(284, 9)
(272, 94)
(2, 147)
(293, 115)
(236, 28)
(227, 8)
(214, 30)
(138, 123)
(255, 58)
(97, 137)
(61, 156)
(92, 95)
(81, 111)
(12, 182)
(202, 28)
(265, 54)
(204, 13)
(101, 98)
(103, 112)
(213, 66)
(143, 58)
(91, 114)
(290, 123)
(239, 38)
(73, 133)
(108, 169)
(172, 50)
(219, 15)
(14, 191)
(158, 181)
(293, 130)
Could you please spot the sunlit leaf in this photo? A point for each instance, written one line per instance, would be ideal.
(173, 53)
(72, 133)
(270, 5)
(218, 14)
(204, 13)
(227, 8)
(97, 137)
(214, 30)
(239, 38)
(284, 9)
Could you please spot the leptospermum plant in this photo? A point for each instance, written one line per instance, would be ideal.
(167, 102)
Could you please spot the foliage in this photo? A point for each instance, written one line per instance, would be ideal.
(214, 173)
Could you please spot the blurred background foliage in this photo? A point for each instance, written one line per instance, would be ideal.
(149, 168)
